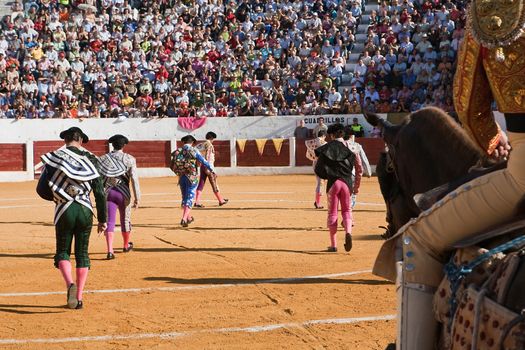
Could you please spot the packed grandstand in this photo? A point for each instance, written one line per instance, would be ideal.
(174, 58)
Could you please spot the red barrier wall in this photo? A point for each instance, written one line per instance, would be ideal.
(251, 157)
(222, 152)
(156, 154)
(42, 147)
(12, 157)
(150, 154)
(98, 147)
(371, 146)
(300, 153)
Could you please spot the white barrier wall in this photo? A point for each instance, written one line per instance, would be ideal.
(163, 129)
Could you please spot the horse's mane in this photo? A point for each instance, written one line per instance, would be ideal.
(439, 145)
(439, 128)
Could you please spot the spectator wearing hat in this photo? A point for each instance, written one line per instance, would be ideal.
(430, 55)
(394, 107)
(423, 45)
(73, 212)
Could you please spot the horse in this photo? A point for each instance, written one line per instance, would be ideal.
(427, 156)
(428, 149)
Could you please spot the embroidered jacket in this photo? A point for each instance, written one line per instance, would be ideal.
(491, 67)
(194, 157)
(358, 149)
(208, 151)
(73, 174)
(120, 169)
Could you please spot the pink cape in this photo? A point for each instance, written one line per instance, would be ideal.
(191, 123)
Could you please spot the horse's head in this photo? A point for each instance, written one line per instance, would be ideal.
(398, 209)
(428, 149)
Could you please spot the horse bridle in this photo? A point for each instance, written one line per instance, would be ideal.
(390, 164)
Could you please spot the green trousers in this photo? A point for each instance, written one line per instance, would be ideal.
(76, 222)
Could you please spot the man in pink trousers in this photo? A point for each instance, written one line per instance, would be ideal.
(335, 164)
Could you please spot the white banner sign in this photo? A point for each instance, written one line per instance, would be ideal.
(345, 119)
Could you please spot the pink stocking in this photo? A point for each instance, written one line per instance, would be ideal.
(82, 273)
(65, 267)
(109, 241)
(186, 213)
(219, 197)
(198, 196)
(125, 238)
(318, 199)
(333, 235)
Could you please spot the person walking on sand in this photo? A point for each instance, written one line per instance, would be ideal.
(69, 176)
(335, 164)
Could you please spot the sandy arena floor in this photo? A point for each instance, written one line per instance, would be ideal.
(250, 275)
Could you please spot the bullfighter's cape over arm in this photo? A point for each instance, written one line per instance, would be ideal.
(491, 66)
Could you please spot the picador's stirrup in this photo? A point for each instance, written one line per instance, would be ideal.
(416, 329)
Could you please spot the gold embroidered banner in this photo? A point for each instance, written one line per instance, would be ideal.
(260, 145)
(278, 144)
(241, 143)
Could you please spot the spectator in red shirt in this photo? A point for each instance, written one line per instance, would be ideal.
(96, 45)
(260, 42)
(384, 93)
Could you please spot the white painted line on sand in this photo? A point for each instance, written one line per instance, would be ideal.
(171, 335)
(178, 194)
(25, 206)
(18, 199)
(192, 287)
(262, 192)
(239, 192)
(232, 202)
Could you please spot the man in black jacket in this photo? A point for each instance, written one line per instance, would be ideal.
(335, 164)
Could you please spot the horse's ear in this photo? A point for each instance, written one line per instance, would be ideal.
(372, 118)
(375, 120)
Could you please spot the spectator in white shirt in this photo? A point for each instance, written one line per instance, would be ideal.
(372, 93)
(360, 68)
(424, 44)
(29, 86)
(334, 98)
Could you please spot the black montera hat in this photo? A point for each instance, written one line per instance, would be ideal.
(188, 139)
(334, 128)
(118, 138)
(73, 129)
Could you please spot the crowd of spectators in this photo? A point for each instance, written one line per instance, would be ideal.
(409, 57)
(179, 58)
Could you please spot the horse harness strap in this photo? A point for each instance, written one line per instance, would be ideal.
(506, 331)
(456, 274)
(390, 160)
(491, 233)
(390, 167)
